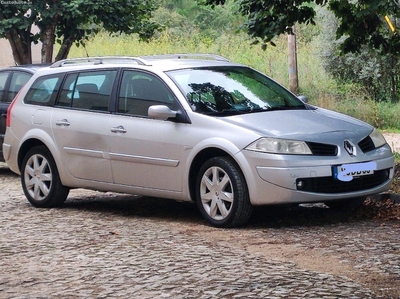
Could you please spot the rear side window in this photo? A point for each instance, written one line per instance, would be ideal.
(44, 91)
(88, 90)
(18, 80)
(3, 81)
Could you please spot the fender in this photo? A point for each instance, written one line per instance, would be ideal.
(221, 144)
(47, 140)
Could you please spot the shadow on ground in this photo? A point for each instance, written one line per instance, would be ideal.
(170, 210)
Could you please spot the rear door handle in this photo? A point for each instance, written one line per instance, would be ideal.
(63, 122)
(119, 129)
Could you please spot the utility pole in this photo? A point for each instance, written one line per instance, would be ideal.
(292, 52)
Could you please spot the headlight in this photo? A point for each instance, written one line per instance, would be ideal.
(377, 138)
(280, 146)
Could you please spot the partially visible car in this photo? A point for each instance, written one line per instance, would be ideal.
(12, 79)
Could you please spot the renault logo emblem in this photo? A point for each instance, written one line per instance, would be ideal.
(350, 148)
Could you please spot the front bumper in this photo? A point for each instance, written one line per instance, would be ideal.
(279, 183)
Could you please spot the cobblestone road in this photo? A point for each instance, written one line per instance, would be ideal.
(118, 246)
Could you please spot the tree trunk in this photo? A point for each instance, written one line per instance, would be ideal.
(49, 38)
(21, 49)
(292, 53)
(20, 42)
(65, 47)
(393, 79)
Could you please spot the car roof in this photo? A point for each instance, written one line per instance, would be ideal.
(159, 62)
(31, 68)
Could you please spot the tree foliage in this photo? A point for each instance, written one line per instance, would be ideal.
(361, 22)
(69, 22)
(378, 73)
(184, 17)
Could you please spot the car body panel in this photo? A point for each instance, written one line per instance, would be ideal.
(83, 144)
(315, 124)
(147, 153)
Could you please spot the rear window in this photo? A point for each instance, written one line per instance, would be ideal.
(44, 90)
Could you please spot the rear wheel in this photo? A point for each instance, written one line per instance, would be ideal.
(222, 194)
(40, 179)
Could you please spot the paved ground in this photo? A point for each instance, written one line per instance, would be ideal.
(119, 246)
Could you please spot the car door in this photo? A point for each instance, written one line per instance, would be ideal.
(80, 124)
(146, 152)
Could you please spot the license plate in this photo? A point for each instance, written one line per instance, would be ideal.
(347, 172)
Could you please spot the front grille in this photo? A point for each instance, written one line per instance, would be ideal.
(331, 185)
(321, 149)
(366, 145)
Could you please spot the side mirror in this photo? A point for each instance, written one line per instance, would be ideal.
(161, 112)
(304, 99)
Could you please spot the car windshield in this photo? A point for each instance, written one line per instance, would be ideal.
(232, 90)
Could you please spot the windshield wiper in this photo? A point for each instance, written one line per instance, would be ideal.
(285, 108)
(229, 112)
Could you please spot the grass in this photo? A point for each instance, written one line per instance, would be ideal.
(321, 89)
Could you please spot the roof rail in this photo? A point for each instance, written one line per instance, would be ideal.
(98, 60)
(183, 56)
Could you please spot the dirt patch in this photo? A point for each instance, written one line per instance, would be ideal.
(393, 139)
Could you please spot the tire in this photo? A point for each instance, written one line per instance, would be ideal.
(221, 193)
(40, 179)
(346, 204)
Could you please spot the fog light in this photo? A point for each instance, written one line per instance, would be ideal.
(300, 184)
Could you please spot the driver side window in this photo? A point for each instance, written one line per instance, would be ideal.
(139, 91)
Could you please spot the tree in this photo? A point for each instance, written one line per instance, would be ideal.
(378, 73)
(69, 22)
(361, 23)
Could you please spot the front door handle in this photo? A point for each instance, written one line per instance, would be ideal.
(119, 129)
(63, 122)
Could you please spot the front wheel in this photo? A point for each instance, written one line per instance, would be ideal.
(222, 194)
(40, 179)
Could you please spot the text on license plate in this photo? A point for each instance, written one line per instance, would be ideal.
(347, 172)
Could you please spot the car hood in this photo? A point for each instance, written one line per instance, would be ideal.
(315, 125)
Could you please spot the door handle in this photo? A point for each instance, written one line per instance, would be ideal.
(62, 122)
(119, 129)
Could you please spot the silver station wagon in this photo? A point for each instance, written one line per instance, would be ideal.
(191, 127)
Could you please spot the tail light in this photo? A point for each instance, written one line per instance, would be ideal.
(8, 123)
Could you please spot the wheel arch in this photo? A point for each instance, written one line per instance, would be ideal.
(40, 138)
(200, 158)
(25, 147)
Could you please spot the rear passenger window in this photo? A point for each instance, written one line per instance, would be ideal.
(89, 90)
(44, 91)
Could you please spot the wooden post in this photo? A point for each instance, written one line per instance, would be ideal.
(292, 52)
